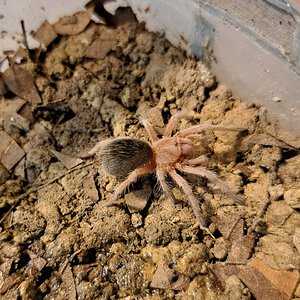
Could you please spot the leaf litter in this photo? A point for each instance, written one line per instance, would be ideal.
(57, 237)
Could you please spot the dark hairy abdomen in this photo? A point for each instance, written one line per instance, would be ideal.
(122, 156)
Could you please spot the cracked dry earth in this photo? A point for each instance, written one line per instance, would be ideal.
(58, 240)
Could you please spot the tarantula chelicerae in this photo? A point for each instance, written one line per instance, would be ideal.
(134, 158)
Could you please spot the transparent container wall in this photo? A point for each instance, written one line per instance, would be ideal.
(252, 46)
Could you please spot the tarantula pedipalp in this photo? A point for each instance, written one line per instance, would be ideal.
(135, 158)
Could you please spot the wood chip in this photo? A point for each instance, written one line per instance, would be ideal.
(68, 161)
(284, 281)
(100, 48)
(70, 25)
(45, 34)
(10, 152)
(20, 82)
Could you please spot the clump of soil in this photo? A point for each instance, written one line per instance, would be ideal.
(58, 240)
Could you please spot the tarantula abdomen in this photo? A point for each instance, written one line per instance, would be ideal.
(121, 156)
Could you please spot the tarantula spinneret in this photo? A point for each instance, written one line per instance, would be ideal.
(134, 158)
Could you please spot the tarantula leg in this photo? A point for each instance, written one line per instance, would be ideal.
(132, 177)
(162, 181)
(174, 119)
(213, 178)
(96, 148)
(200, 160)
(183, 184)
(149, 128)
(200, 128)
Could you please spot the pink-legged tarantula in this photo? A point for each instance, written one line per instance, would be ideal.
(134, 158)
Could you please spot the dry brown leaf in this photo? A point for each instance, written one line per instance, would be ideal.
(11, 106)
(10, 117)
(219, 272)
(4, 174)
(137, 200)
(2, 86)
(74, 24)
(259, 285)
(268, 140)
(241, 250)
(14, 120)
(20, 82)
(284, 281)
(100, 48)
(231, 227)
(90, 188)
(68, 161)
(69, 283)
(37, 261)
(45, 34)
(10, 152)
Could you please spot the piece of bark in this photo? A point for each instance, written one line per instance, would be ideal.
(70, 25)
(45, 34)
(10, 152)
(284, 281)
(21, 83)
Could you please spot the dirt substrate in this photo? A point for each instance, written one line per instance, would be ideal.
(58, 240)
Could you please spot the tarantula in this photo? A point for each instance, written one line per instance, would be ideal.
(134, 158)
